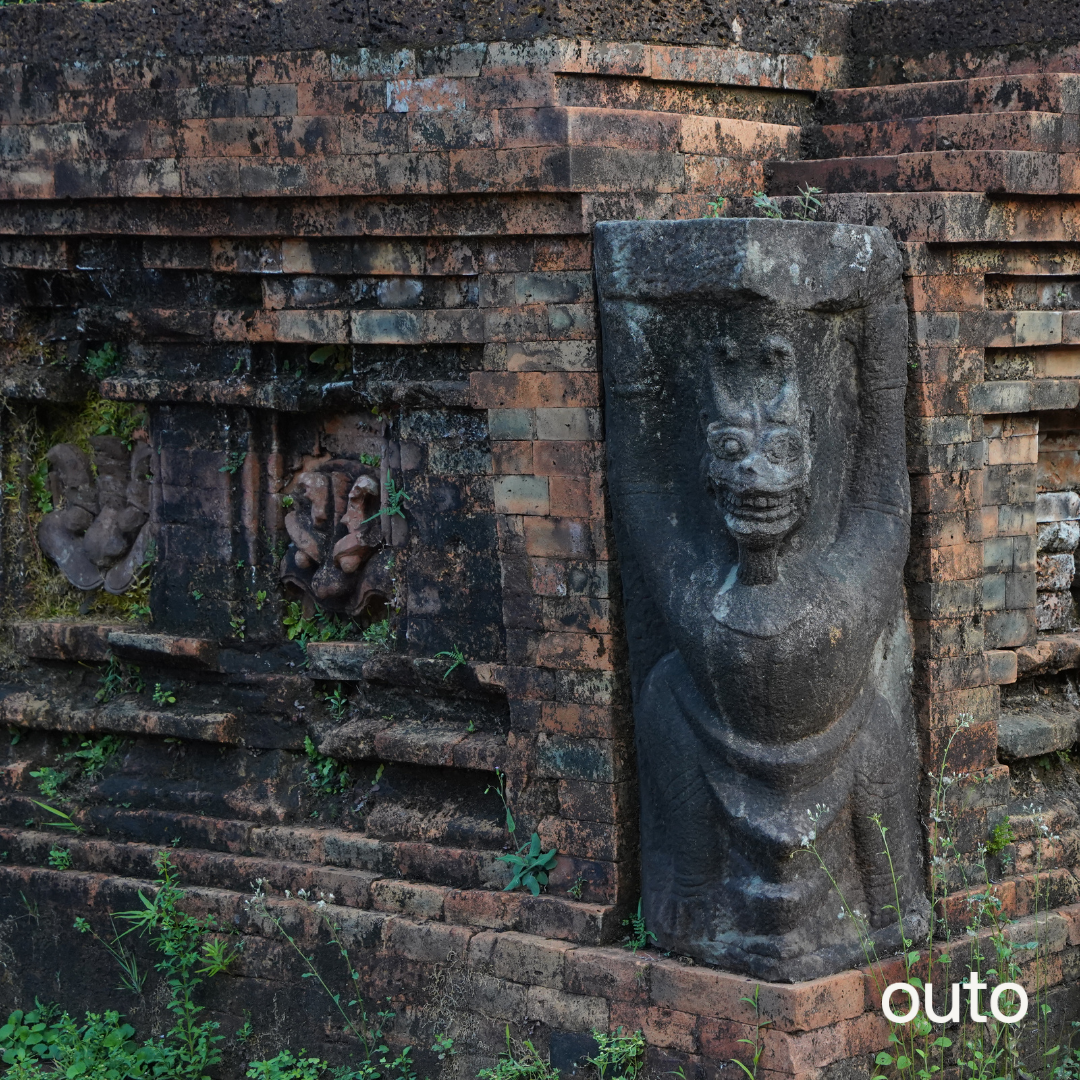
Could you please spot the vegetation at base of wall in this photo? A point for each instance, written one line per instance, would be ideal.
(86, 762)
(31, 432)
(989, 1050)
(326, 775)
(321, 626)
(640, 937)
(46, 1043)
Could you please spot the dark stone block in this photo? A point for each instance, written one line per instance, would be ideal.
(754, 376)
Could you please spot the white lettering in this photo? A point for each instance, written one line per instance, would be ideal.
(995, 998)
(886, 1007)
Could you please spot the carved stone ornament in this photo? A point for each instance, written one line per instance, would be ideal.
(754, 376)
(100, 533)
(337, 526)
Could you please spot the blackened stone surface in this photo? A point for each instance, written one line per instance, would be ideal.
(754, 381)
(920, 27)
(68, 31)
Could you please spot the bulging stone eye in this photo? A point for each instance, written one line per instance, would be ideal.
(731, 447)
(783, 449)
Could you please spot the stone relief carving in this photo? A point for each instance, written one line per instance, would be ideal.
(754, 375)
(336, 526)
(100, 532)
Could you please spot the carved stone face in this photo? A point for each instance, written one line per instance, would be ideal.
(759, 460)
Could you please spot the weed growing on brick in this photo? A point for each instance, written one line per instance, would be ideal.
(520, 1061)
(337, 703)
(132, 978)
(618, 1055)
(456, 658)
(60, 858)
(374, 1060)
(117, 679)
(321, 626)
(640, 937)
(327, 776)
(163, 696)
(189, 955)
(987, 1050)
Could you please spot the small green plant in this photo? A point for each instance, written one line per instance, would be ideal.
(192, 1046)
(260, 599)
(131, 978)
(238, 625)
(396, 497)
(234, 462)
(337, 703)
(196, 595)
(443, 1047)
(767, 207)
(757, 1043)
(715, 207)
(372, 460)
(618, 1055)
(287, 501)
(41, 1043)
(93, 755)
(60, 858)
(63, 821)
(117, 679)
(577, 889)
(531, 866)
(40, 494)
(163, 696)
(1000, 838)
(369, 1031)
(378, 633)
(499, 787)
(520, 1061)
(337, 357)
(470, 727)
(50, 780)
(101, 363)
(640, 937)
(321, 627)
(808, 204)
(326, 775)
(286, 1066)
(456, 658)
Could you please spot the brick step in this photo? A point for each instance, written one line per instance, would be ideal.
(267, 395)
(661, 994)
(1031, 735)
(1052, 92)
(1051, 133)
(156, 813)
(356, 887)
(1049, 655)
(1019, 896)
(416, 743)
(124, 717)
(991, 171)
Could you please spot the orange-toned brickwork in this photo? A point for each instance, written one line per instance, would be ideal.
(428, 207)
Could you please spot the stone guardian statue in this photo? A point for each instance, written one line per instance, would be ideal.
(754, 375)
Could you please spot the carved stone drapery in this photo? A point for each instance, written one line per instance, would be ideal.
(754, 377)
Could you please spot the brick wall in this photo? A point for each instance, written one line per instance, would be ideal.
(429, 210)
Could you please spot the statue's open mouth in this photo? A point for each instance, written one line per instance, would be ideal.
(762, 506)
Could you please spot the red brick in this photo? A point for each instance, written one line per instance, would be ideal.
(557, 538)
(533, 389)
(582, 721)
(575, 651)
(611, 973)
